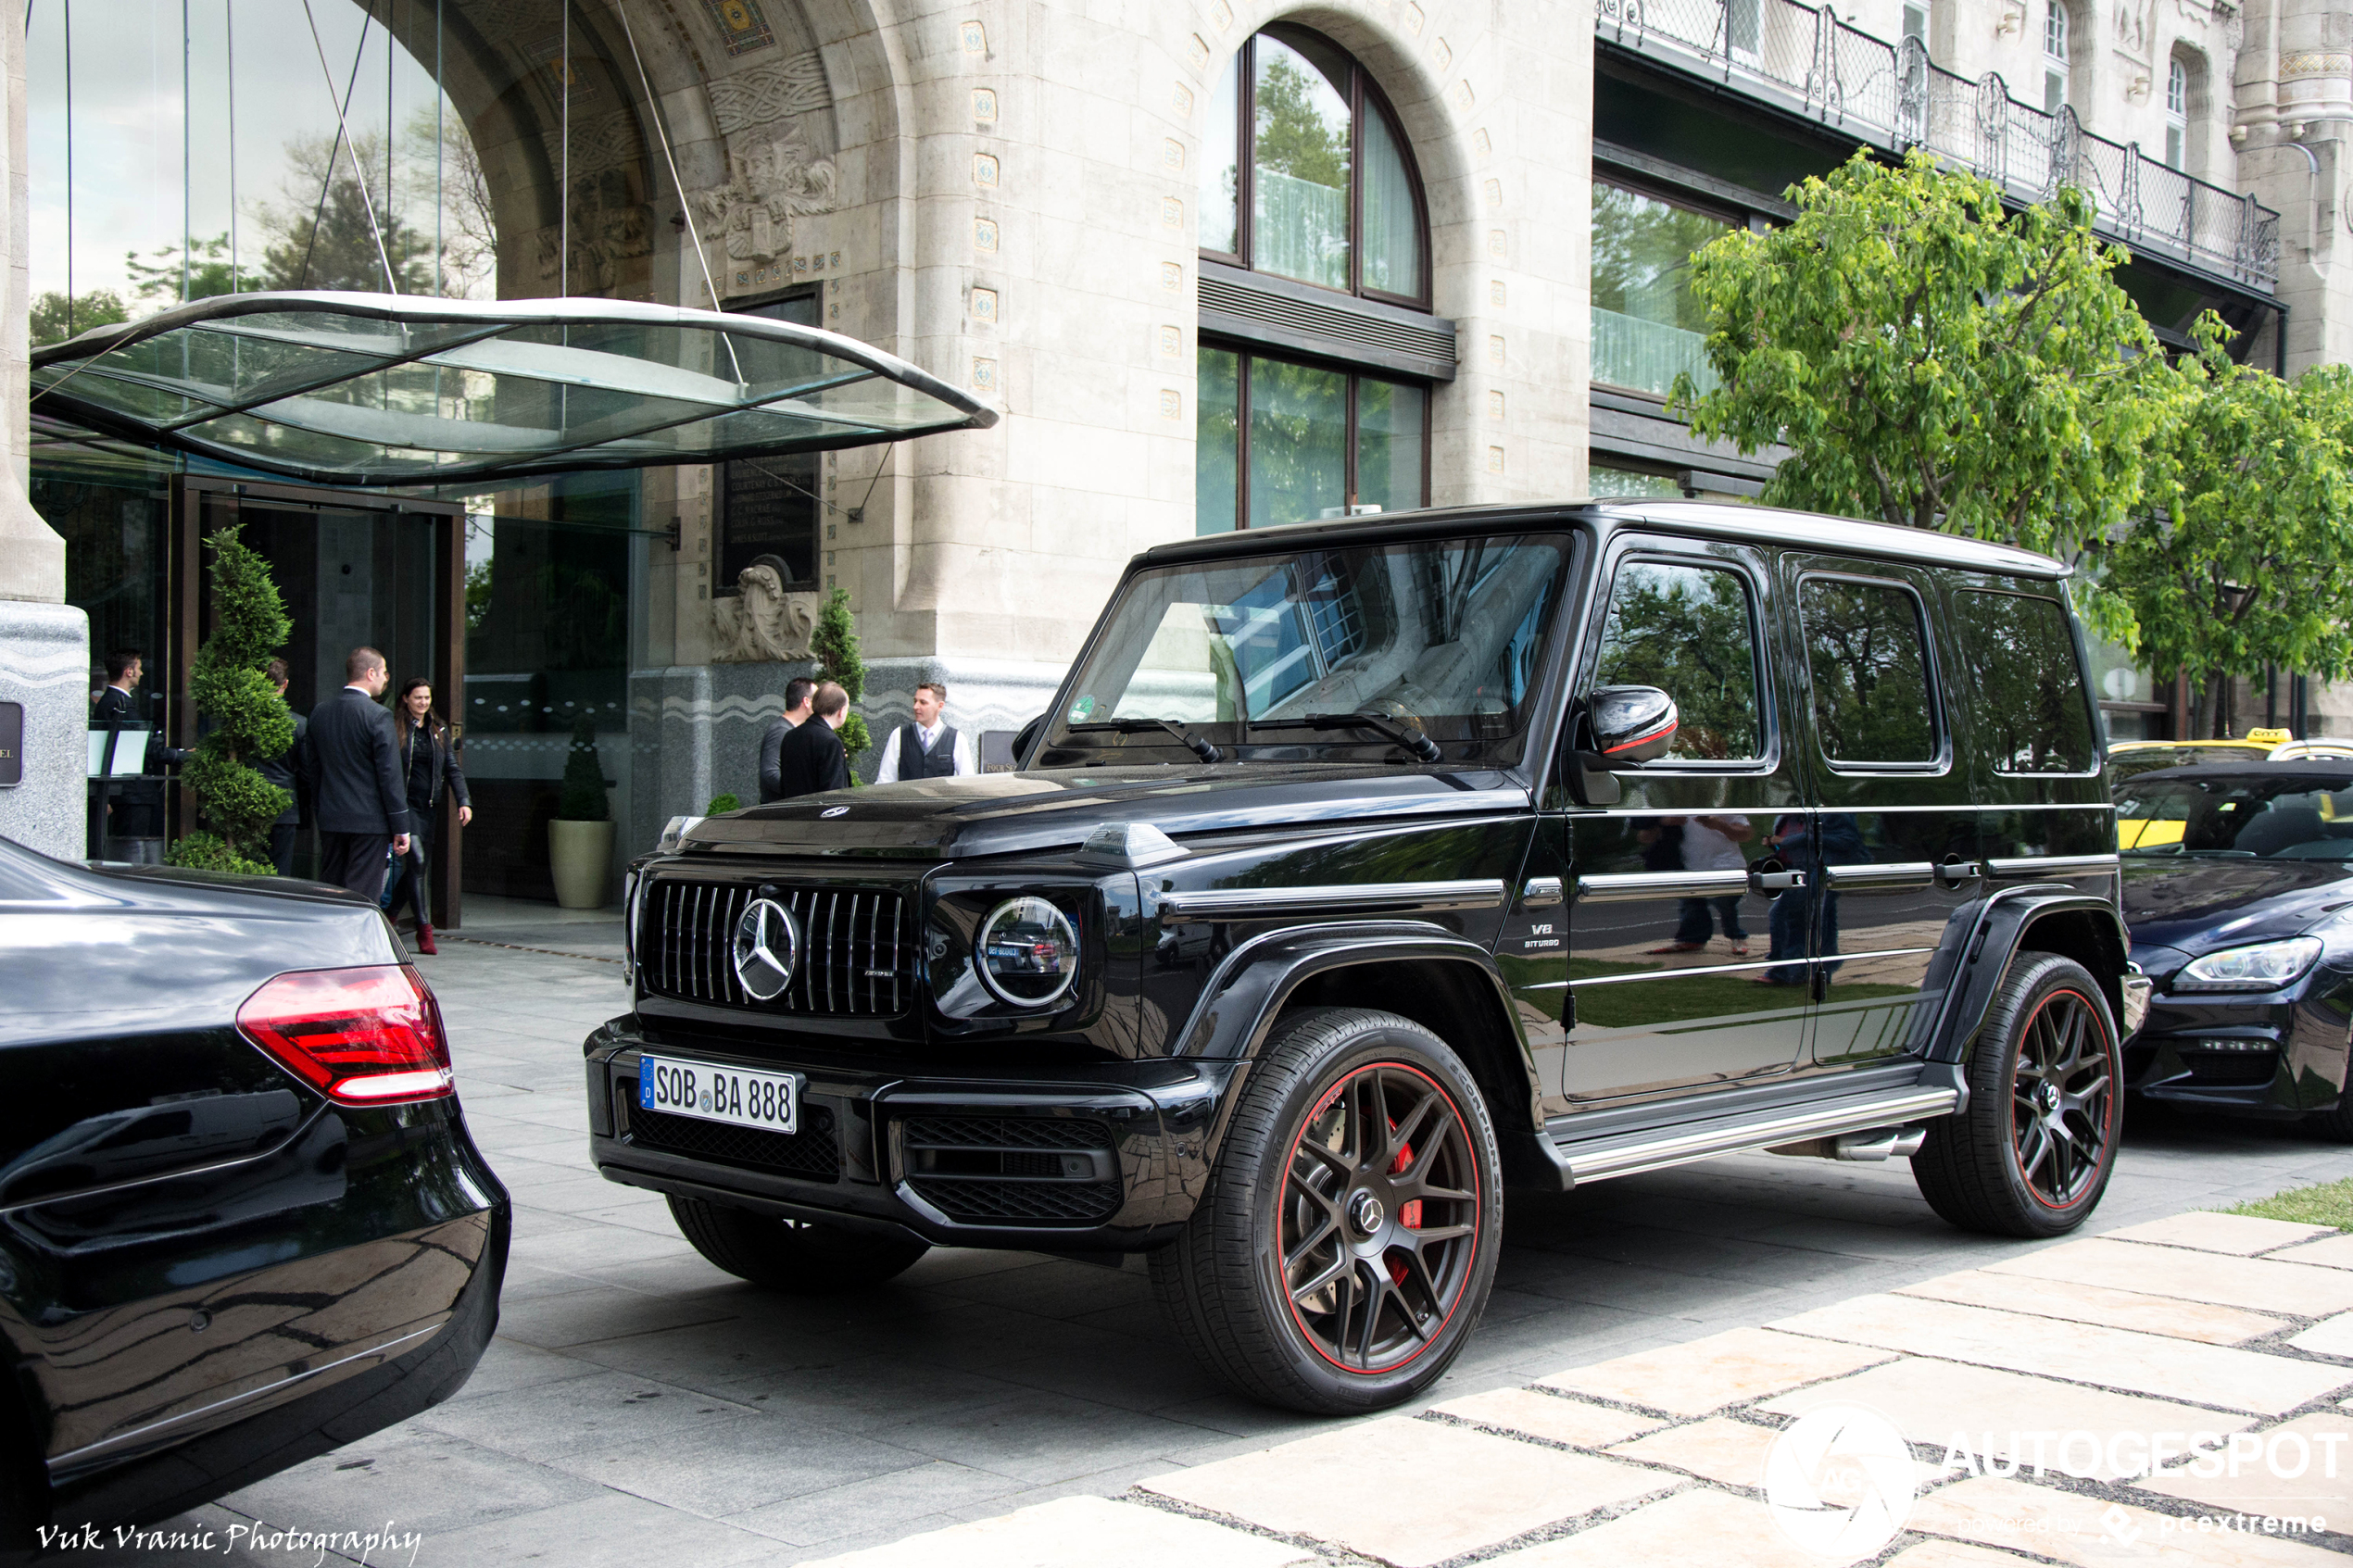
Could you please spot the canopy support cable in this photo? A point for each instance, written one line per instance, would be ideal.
(351, 149)
(686, 208)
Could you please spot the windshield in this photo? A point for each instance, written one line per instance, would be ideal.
(1439, 639)
(2244, 819)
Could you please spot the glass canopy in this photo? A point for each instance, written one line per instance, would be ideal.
(365, 389)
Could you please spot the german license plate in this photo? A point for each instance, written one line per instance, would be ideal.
(709, 1092)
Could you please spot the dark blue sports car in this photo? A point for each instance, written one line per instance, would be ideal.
(2238, 888)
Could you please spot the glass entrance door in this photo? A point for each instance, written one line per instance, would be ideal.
(353, 571)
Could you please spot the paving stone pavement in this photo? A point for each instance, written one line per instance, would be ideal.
(639, 1402)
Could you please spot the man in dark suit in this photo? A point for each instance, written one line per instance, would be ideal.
(135, 809)
(810, 761)
(286, 771)
(358, 797)
(796, 694)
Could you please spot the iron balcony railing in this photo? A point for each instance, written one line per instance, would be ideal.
(1894, 96)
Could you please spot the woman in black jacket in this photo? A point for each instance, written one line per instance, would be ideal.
(428, 761)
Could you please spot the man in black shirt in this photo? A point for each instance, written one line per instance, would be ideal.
(358, 798)
(798, 692)
(811, 759)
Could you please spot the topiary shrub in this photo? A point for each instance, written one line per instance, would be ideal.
(833, 645)
(583, 799)
(722, 803)
(249, 719)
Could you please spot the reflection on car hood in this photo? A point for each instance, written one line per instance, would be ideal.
(1056, 807)
(2197, 906)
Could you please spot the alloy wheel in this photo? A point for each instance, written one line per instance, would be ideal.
(2063, 1100)
(1379, 1218)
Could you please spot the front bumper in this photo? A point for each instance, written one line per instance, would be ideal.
(1108, 1156)
(2274, 1053)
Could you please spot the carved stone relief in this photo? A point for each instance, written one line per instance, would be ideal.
(777, 92)
(762, 623)
(774, 177)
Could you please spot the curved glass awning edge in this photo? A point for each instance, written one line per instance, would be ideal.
(920, 395)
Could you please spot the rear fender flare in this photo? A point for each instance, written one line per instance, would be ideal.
(2043, 918)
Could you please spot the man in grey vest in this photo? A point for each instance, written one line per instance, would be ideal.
(927, 748)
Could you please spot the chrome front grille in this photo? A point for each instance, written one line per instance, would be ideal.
(857, 959)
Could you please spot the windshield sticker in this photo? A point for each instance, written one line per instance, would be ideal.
(1081, 709)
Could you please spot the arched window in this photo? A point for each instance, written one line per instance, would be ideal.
(1306, 181)
(1327, 193)
(2177, 113)
(2055, 55)
(2186, 100)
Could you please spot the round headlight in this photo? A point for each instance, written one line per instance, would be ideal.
(1028, 953)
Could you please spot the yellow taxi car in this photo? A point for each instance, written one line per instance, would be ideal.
(2126, 758)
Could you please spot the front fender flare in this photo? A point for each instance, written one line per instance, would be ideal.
(1248, 991)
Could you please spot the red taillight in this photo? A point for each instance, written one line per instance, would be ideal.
(363, 1037)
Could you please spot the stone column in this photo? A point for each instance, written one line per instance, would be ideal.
(44, 643)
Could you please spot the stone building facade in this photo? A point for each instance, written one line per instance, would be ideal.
(1216, 263)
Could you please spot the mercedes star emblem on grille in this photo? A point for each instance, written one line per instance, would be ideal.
(767, 948)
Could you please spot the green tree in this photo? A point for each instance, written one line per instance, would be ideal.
(1934, 360)
(2246, 559)
(249, 719)
(58, 317)
(583, 797)
(833, 645)
(331, 243)
(157, 282)
(1294, 136)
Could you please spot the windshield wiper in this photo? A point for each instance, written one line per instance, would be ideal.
(1412, 740)
(1199, 746)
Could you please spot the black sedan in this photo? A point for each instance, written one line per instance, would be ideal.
(241, 1218)
(2238, 888)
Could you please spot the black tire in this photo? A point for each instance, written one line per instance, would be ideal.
(1392, 1248)
(2049, 1053)
(797, 1257)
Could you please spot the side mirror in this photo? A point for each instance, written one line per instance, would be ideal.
(1632, 725)
(1026, 738)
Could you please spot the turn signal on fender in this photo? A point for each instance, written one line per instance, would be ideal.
(359, 1036)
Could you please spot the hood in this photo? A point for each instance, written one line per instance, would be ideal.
(2197, 906)
(1055, 809)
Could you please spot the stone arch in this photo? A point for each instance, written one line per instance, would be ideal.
(751, 122)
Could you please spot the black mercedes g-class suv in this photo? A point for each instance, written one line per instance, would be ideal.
(1363, 870)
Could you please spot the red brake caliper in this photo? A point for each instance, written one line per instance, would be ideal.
(1409, 1215)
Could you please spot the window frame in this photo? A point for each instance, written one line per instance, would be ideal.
(2076, 651)
(1665, 196)
(1931, 674)
(763, 304)
(1365, 95)
(1243, 354)
(1643, 553)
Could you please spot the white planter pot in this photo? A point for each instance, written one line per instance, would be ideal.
(580, 854)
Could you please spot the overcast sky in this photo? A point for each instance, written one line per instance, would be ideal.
(130, 119)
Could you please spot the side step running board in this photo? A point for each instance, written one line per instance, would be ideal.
(1628, 1154)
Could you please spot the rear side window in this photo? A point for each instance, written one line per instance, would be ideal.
(2033, 711)
(1689, 631)
(1867, 655)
